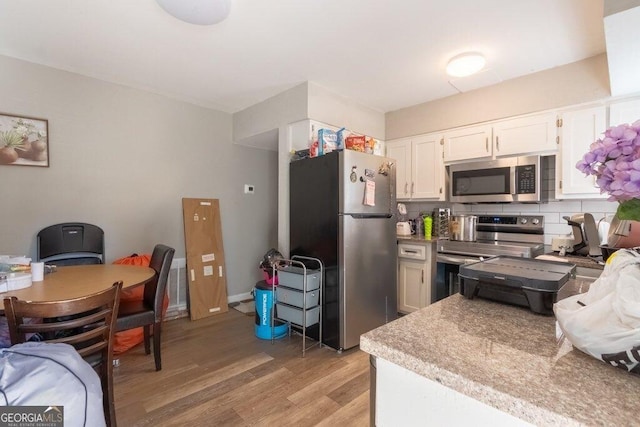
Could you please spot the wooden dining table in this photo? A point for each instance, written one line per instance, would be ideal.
(81, 280)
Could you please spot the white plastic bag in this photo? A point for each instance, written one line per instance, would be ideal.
(605, 321)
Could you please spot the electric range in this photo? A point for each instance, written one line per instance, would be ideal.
(511, 235)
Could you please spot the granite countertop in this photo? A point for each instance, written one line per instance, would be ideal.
(595, 263)
(508, 357)
(416, 239)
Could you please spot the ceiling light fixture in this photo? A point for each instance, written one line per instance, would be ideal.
(465, 64)
(199, 12)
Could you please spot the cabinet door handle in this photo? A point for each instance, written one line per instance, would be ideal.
(497, 144)
(406, 187)
(440, 190)
(486, 144)
(422, 276)
(412, 188)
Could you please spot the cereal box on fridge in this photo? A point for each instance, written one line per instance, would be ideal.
(327, 141)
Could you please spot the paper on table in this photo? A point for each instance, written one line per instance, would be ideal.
(370, 193)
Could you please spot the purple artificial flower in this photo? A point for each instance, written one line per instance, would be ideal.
(615, 161)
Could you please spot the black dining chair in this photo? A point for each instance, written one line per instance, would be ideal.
(71, 243)
(148, 311)
(89, 330)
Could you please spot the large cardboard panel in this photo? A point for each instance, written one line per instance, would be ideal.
(205, 257)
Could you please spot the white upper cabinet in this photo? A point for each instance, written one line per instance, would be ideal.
(579, 129)
(473, 142)
(419, 167)
(526, 135)
(427, 167)
(624, 112)
(512, 137)
(400, 151)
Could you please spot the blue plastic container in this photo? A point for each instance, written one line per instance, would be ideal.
(265, 301)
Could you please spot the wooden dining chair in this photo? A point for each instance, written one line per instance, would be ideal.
(86, 323)
(148, 311)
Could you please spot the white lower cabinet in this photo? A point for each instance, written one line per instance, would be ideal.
(404, 398)
(416, 276)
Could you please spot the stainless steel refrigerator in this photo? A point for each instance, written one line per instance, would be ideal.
(342, 211)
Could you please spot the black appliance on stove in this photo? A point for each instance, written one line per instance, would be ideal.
(519, 236)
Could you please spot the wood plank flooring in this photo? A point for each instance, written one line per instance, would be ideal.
(216, 372)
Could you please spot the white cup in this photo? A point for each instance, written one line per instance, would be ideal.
(37, 271)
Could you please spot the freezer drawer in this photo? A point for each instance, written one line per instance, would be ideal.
(294, 314)
(293, 277)
(297, 298)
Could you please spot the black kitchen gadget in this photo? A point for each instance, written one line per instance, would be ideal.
(525, 282)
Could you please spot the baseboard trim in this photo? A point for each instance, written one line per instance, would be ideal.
(239, 297)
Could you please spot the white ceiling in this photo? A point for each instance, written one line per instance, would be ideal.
(384, 54)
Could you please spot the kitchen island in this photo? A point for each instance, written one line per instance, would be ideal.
(479, 362)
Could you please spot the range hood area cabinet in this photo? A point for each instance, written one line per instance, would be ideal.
(535, 134)
(420, 173)
(579, 128)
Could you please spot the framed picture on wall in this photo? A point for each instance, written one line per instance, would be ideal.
(24, 141)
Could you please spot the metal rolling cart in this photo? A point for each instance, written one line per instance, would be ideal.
(298, 296)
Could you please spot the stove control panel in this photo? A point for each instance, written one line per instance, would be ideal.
(511, 223)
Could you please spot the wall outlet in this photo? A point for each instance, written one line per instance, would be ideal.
(249, 189)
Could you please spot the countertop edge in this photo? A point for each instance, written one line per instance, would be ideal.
(502, 401)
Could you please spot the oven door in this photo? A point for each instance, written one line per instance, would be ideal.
(448, 267)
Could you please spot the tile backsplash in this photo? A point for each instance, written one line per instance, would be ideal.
(554, 225)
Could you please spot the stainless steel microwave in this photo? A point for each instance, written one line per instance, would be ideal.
(513, 179)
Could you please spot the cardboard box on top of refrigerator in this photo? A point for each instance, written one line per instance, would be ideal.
(327, 141)
(355, 142)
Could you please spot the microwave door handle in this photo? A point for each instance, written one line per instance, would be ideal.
(512, 180)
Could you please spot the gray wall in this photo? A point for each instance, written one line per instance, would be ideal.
(123, 159)
(579, 82)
